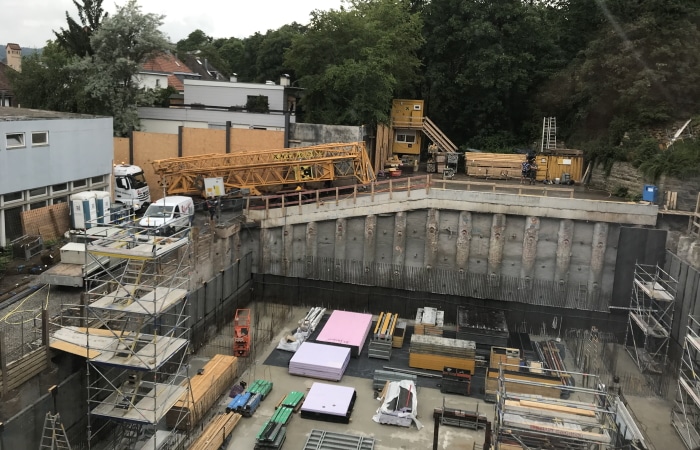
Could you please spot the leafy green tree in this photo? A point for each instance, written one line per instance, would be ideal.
(196, 40)
(269, 60)
(121, 45)
(352, 62)
(76, 39)
(484, 62)
(47, 83)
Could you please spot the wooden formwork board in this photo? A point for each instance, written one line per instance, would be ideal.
(437, 362)
(214, 435)
(546, 386)
(216, 378)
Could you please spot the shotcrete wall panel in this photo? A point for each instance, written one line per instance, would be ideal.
(580, 253)
(447, 239)
(512, 239)
(415, 237)
(326, 239)
(479, 249)
(432, 229)
(298, 243)
(384, 244)
(355, 237)
(464, 238)
(545, 261)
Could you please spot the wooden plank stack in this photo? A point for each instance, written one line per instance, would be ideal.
(545, 386)
(504, 355)
(399, 334)
(494, 165)
(216, 432)
(216, 377)
(436, 353)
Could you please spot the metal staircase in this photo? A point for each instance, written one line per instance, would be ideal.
(549, 133)
(436, 135)
(54, 437)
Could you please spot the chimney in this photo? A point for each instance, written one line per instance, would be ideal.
(233, 78)
(284, 80)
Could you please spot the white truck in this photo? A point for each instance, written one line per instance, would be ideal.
(130, 187)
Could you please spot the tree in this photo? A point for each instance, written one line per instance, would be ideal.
(76, 39)
(484, 62)
(352, 62)
(46, 82)
(121, 45)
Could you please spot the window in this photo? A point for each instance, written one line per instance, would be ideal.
(157, 83)
(13, 197)
(97, 180)
(408, 137)
(58, 200)
(59, 187)
(14, 140)
(37, 192)
(40, 138)
(37, 205)
(79, 183)
(257, 104)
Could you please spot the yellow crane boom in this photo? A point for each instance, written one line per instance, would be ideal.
(266, 170)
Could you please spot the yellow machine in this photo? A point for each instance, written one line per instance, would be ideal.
(267, 171)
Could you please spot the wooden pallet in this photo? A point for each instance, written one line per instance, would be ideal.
(216, 432)
(216, 378)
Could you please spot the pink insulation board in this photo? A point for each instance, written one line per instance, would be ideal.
(323, 361)
(348, 329)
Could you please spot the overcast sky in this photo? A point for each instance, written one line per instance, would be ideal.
(29, 23)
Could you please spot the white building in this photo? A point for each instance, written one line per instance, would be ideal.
(211, 104)
(46, 156)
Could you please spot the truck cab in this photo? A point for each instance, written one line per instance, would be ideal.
(130, 187)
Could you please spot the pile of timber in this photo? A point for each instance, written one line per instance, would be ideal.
(494, 165)
(384, 329)
(436, 353)
(522, 383)
(216, 432)
(504, 355)
(429, 321)
(215, 378)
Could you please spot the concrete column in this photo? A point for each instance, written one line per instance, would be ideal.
(530, 238)
(287, 256)
(311, 246)
(431, 238)
(563, 256)
(265, 249)
(496, 243)
(341, 235)
(464, 238)
(598, 245)
(368, 252)
(399, 252)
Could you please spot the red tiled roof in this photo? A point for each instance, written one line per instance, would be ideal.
(175, 82)
(14, 46)
(165, 62)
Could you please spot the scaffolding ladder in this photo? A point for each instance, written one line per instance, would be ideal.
(54, 437)
(549, 133)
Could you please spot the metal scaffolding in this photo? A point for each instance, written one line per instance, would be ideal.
(650, 317)
(131, 327)
(685, 415)
(596, 420)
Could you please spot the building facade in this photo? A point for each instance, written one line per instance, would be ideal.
(211, 104)
(46, 156)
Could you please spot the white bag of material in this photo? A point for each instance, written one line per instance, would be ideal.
(400, 405)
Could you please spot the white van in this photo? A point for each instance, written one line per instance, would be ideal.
(169, 214)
